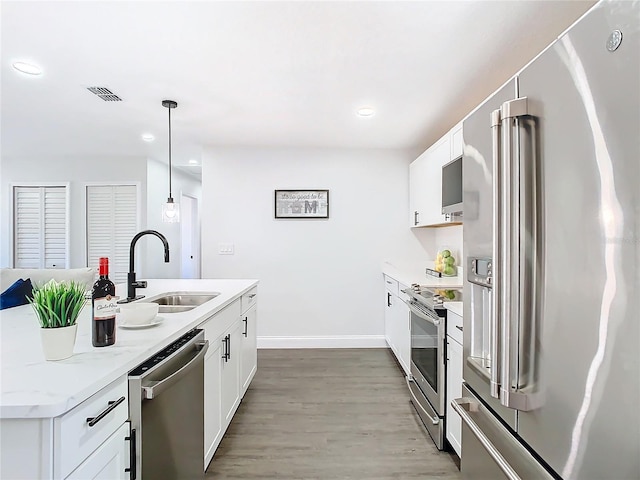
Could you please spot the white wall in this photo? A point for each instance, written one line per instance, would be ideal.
(77, 171)
(318, 278)
(451, 238)
(157, 193)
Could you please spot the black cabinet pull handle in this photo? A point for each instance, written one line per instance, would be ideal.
(459, 327)
(246, 325)
(132, 454)
(415, 218)
(225, 349)
(112, 405)
(388, 299)
(229, 347)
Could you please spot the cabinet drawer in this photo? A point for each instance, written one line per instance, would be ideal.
(214, 326)
(75, 439)
(454, 326)
(249, 299)
(391, 285)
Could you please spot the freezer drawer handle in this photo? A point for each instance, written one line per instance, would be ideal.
(464, 405)
(434, 420)
(91, 421)
(151, 392)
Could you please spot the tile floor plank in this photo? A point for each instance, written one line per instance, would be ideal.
(328, 414)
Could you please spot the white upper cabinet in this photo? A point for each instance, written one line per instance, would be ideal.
(425, 180)
(456, 141)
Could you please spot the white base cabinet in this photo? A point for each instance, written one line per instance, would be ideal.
(249, 347)
(397, 322)
(229, 366)
(212, 402)
(454, 380)
(108, 462)
(67, 446)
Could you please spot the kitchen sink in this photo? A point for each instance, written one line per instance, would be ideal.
(176, 302)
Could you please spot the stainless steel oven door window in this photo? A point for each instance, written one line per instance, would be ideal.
(427, 354)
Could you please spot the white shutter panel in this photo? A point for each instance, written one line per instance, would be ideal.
(55, 227)
(40, 227)
(111, 224)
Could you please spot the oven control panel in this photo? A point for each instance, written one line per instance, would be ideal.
(480, 271)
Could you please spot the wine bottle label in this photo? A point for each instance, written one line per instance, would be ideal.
(104, 307)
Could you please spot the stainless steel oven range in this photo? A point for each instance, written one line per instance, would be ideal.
(428, 359)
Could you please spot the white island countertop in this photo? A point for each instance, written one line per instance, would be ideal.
(408, 274)
(31, 387)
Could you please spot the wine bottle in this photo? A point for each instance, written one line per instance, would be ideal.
(103, 308)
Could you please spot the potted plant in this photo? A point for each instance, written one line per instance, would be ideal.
(57, 306)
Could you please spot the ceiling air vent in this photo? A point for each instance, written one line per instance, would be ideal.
(105, 94)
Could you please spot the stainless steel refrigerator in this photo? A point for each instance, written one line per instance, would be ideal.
(551, 242)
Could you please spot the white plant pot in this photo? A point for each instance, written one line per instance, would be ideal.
(57, 343)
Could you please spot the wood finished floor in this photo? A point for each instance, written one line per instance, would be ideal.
(328, 414)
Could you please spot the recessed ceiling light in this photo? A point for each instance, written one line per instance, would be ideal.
(366, 111)
(28, 68)
(147, 137)
(193, 162)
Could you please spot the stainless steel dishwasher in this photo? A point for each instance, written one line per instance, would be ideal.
(166, 404)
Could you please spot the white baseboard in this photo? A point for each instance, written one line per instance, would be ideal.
(331, 341)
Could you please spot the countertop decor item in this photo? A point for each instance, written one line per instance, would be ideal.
(57, 306)
(301, 204)
(446, 263)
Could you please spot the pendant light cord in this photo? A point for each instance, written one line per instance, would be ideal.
(170, 196)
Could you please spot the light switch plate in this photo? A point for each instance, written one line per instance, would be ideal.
(225, 249)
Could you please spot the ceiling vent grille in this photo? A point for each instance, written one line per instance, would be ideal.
(105, 94)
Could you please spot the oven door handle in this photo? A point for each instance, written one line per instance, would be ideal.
(418, 313)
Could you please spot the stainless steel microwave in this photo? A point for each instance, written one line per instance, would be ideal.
(452, 187)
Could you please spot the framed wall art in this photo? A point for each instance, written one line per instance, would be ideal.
(302, 204)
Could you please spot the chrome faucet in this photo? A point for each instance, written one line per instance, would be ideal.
(132, 284)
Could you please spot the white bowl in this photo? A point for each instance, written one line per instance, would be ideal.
(137, 313)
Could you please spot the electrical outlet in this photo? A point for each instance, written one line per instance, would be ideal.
(225, 249)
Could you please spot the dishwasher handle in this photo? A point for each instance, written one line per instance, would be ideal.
(151, 392)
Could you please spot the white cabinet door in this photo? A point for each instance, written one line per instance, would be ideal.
(454, 390)
(230, 357)
(417, 195)
(249, 363)
(456, 141)
(212, 401)
(403, 332)
(388, 319)
(109, 461)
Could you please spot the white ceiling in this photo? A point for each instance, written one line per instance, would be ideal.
(258, 73)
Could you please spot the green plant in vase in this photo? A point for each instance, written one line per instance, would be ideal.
(57, 307)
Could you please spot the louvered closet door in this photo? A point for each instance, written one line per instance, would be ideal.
(40, 227)
(111, 224)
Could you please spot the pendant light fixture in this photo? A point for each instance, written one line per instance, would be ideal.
(170, 210)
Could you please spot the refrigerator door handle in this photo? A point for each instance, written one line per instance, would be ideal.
(462, 406)
(494, 376)
(517, 278)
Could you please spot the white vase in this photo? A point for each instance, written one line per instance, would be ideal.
(57, 343)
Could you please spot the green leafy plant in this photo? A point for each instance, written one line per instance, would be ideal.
(58, 304)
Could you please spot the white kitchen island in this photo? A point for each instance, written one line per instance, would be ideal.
(44, 405)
